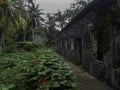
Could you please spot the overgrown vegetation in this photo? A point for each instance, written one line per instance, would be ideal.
(22, 32)
(41, 70)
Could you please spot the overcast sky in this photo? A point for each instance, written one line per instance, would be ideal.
(51, 6)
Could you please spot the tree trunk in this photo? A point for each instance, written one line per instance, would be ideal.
(33, 35)
(1, 40)
(25, 35)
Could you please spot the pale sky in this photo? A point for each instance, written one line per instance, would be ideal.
(51, 6)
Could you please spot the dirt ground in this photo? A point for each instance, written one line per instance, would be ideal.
(87, 81)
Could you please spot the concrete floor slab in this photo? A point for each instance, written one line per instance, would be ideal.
(87, 81)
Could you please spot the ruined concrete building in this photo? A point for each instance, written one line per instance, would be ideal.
(92, 40)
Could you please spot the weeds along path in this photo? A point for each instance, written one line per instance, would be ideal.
(42, 69)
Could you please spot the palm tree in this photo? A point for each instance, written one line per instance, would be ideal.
(60, 19)
(10, 20)
(23, 6)
(36, 18)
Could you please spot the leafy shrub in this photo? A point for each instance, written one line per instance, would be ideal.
(54, 73)
(6, 87)
(41, 70)
(39, 40)
(10, 48)
(27, 46)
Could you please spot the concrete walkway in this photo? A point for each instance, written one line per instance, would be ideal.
(87, 81)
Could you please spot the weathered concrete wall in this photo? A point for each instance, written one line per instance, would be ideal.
(92, 40)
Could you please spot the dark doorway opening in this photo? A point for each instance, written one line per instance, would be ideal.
(117, 46)
(100, 44)
(79, 51)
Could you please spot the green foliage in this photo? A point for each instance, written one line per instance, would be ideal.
(41, 70)
(27, 46)
(19, 46)
(9, 49)
(6, 87)
(51, 28)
